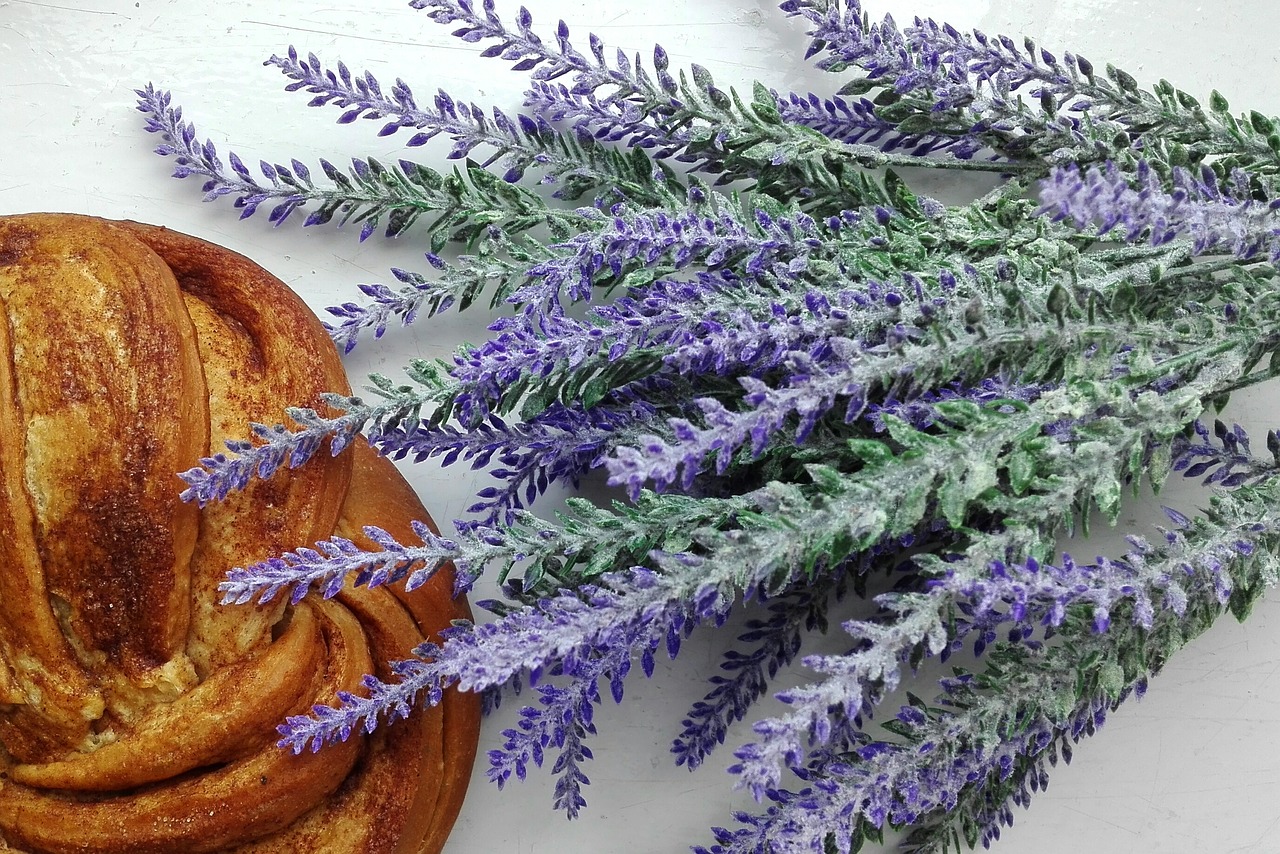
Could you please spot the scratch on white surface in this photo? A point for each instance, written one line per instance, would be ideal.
(1159, 764)
(1245, 785)
(1094, 817)
(347, 34)
(72, 9)
(1256, 844)
(1158, 807)
(692, 790)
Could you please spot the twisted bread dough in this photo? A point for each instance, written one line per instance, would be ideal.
(136, 713)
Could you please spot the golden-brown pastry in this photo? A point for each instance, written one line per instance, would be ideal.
(136, 713)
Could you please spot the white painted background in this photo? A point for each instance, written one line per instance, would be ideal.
(1193, 768)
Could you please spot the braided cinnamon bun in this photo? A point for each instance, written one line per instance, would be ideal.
(136, 713)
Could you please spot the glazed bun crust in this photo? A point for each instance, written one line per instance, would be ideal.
(137, 714)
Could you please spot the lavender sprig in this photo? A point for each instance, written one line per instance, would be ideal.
(1229, 462)
(856, 121)
(563, 723)
(220, 474)
(560, 444)
(957, 69)
(853, 683)
(523, 46)
(386, 702)
(777, 642)
(945, 81)
(492, 654)
(328, 567)
(587, 542)
(365, 194)
(457, 284)
(672, 242)
(499, 263)
(1216, 219)
(883, 784)
(633, 611)
(564, 719)
(521, 142)
(1146, 580)
(667, 328)
(922, 412)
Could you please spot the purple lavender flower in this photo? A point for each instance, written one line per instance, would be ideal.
(290, 189)
(848, 372)
(1228, 462)
(854, 684)
(778, 246)
(644, 116)
(546, 345)
(522, 46)
(219, 475)
(639, 610)
(979, 415)
(777, 641)
(560, 444)
(622, 608)
(195, 158)
(520, 142)
(883, 783)
(586, 648)
(563, 720)
(1194, 563)
(713, 324)
(944, 756)
(335, 561)
(813, 391)
(973, 73)
(1217, 219)
(608, 120)
(844, 370)
(636, 612)
(922, 412)
(855, 122)
(417, 682)
(615, 117)
(460, 282)
(1145, 578)
(651, 113)
(366, 194)
(362, 96)
(753, 339)
(499, 263)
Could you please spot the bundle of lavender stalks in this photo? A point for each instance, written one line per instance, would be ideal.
(823, 396)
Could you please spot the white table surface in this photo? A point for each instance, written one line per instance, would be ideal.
(1195, 767)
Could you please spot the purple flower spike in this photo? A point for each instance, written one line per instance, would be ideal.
(1216, 221)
